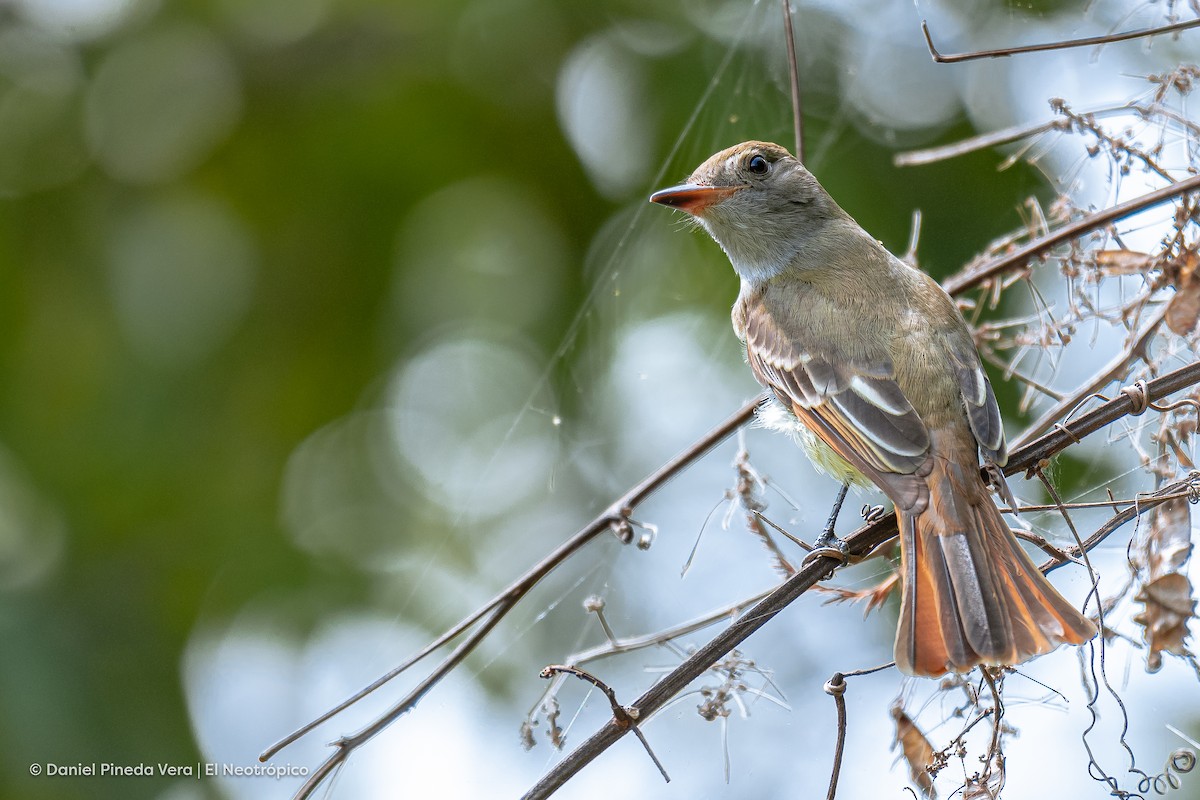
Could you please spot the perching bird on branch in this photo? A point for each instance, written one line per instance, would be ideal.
(873, 358)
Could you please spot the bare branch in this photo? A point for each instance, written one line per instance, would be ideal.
(954, 58)
(976, 276)
(794, 79)
(930, 155)
(1191, 485)
(983, 141)
(1116, 369)
(621, 715)
(835, 687)
(487, 616)
(858, 544)
(695, 665)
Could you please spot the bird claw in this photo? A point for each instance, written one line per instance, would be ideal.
(828, 546)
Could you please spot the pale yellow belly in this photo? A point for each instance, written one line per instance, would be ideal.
(773, 416)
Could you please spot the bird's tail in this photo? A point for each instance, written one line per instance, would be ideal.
(971, 595)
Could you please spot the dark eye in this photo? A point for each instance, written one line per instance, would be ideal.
(758, 165)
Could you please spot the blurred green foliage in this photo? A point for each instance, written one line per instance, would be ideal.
(158, 471)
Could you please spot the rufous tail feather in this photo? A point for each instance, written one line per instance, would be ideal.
(971, 594)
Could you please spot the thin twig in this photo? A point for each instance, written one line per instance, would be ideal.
(954, 58)
(983, 141)
(998, 706)
(835, 687)
(628, 644)
(488, 615)
(1116, 369)
(794, 76)
(699, 662)
(1041, 543)
(345, 745)
(744, 495)
(868, 670)
(1028, 456)
(931, 155)
(621, 715)
(1112, 502)
(1190, 485)
(858, 544)
(973, 277)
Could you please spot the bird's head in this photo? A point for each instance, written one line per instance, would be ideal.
(760, 204)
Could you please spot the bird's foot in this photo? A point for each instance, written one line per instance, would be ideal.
(828, 541)
(833, 548)
(828, 545)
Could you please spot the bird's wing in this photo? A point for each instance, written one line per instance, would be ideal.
(980, 401)
(854, 406)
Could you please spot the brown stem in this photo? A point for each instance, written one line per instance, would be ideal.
(1018, 258)
(1116, 369)
(488, 615)
(835, 687)
(695, 665)
(931, 155)
(1188, 486)
(794, 79)
(857, 544)
(983, 141)
(954, 58)
(620, 715)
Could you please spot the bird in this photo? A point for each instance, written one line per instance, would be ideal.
(872, 363)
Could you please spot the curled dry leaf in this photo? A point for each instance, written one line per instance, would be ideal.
(1183, 311)
(1184, 308)
(1123, 262)
(1169, 543)
(1169, 607)
(1168, 603)
(917, 750)
(1176, 438)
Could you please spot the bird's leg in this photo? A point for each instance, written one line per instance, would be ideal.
(828, 545)
(828, 538)
(996, 479)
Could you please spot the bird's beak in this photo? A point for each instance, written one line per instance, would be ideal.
(693, 198)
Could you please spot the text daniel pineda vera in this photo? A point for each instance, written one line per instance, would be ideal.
(198, 770)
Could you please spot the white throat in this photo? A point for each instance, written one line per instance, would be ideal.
(755, 258)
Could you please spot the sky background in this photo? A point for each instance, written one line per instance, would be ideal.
(320, 321)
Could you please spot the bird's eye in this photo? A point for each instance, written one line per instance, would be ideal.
(758, 165)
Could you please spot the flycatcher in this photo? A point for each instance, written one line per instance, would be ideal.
(874, 359)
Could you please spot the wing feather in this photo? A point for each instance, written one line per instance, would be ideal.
(855, 405)
(884, 394)
(983, 413)
(825, 378)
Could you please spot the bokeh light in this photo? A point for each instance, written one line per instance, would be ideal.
(81, 19)
(33, 533)
(488, 236)
(41, 144)
(161, 102)
(604, 113)
(182, 273)
(460, 421)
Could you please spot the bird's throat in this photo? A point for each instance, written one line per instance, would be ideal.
(756, 259)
